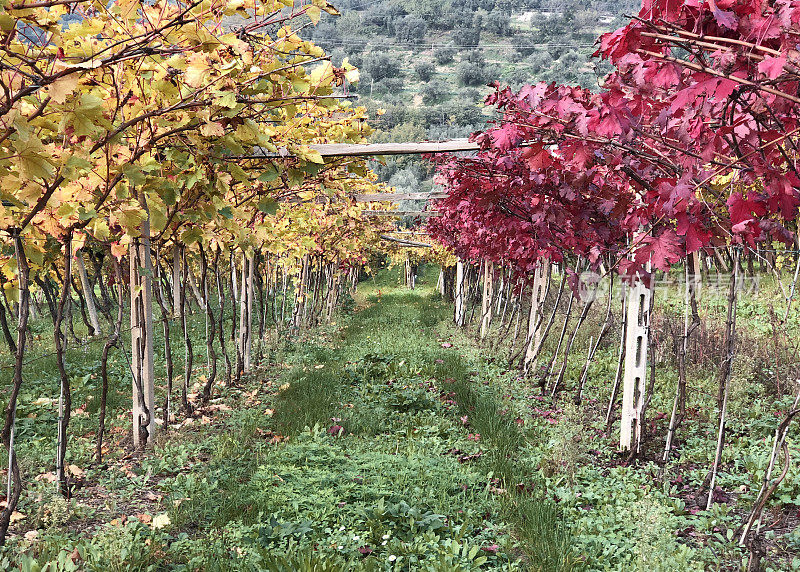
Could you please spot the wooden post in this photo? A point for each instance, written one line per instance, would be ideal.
(459, 293)
(488, 296)
(541, 281)
(242, 317)
(636, 345)
(234, 285)
(300, 295)
(141, 276)
(250, 261)
(177, 307)
(87, 293)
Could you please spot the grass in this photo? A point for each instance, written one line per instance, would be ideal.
(369, 445)
(389, 440)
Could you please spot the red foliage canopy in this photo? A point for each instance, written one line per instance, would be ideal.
(691, 142)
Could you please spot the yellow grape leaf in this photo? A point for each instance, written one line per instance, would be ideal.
(131, 219)
(32, 162)
(313, 12)
(351, 72)
(300, 86)
(34, 252)
(62, 88)
(196, 69)
(158, 220)
(119, 250)
(326, 6)
(313, 156)
(212, 129)
(85, 119)
(99, 229)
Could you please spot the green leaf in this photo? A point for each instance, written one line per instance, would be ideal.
(296, 177)
(191, 236)
(134, 174)
(269, 175)
(237, 172)
(268, 205)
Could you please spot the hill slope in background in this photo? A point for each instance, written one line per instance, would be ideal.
(425, 65)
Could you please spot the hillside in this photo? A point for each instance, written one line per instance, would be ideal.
(425, 66)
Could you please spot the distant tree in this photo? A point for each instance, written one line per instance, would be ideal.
(405, 180)
(551, 28)
(424, 70)
(356, 57)
(434, 92)
(382, 17)
(393, 115)
(349, 24)
(381, 65)
(467, 36)
(524, 43)
(364, 84)
(498, 22)
(539, 61)
(463, 111)
(445, 54)
(411, 29)
(450, 131)
(472, 74)
(520, 75)
(471, 94)
(337, 55)
(390, 85)
(476, 57)
(326, 31)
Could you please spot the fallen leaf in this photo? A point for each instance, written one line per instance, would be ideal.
(161, 521)
(75, 470)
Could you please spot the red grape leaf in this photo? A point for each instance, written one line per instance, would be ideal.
(772, 66)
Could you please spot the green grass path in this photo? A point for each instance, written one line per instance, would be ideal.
(376, 447)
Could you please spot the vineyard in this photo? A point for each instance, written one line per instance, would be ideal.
(230, 343)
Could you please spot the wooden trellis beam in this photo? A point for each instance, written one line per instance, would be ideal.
(374, 149)
(397, 197)
(400, 213)
(403, 242)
